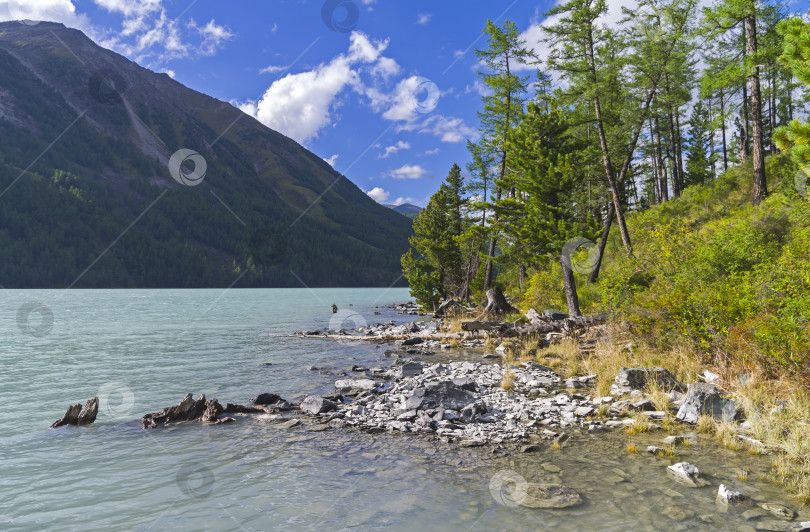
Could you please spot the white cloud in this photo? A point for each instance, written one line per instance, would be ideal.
(409, 171)
(391, 150)
(423, 18)
(400, 200)
(43, 10)
(213, 36)
(434, 151)
(272, 69)
(452, 130)
(170, 73)
(274, 28)
(332, 160)
(300, 105)
(378, 194)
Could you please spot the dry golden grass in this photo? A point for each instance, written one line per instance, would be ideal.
(490, 344)
(508, 379)
(705, 425)
(632, 449)
(742, 475)
(556, 445)
(641, 423)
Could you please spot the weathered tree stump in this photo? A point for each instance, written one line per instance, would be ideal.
(76, 415)
(189, 409)
(497, 303)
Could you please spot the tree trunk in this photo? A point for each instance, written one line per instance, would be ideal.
(656, 170)
(493, 242)
(662, 178)
(600, 128)
(760, 189)
(497, 303)
(521, 275)
(723, 128)
(676, 180)
(594, 275)
(570, 285)
(711, 142)
(678, 149)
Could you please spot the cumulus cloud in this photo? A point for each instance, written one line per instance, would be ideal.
(409, 171)
(300, 105)
(452, 130)
(331, 160)
(43, 10)
(400, 200)
(378, 194)
(391, 150)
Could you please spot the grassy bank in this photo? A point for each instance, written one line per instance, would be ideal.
(713, 283)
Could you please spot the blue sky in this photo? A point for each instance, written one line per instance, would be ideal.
(386, 91)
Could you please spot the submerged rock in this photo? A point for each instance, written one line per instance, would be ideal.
(266, 399)
(705, 399)
(549, 496)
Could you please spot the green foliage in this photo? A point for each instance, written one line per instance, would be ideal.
(795, 137)
(698, 169)
(434, 271)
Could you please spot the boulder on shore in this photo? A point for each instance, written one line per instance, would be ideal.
(630, 379)
(316, 404)
(705, 399)
(76, 415)
(266, 399)
(352, 387)
(445, 394)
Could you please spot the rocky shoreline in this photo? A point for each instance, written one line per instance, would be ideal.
(509, 406)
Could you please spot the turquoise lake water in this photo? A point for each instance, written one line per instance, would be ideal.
(142, 350)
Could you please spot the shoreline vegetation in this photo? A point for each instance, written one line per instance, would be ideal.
(705, 273)
(770, 416)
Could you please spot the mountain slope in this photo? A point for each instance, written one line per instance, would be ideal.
(86, 137)
(406, 209)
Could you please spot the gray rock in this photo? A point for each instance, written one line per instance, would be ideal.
(288, 424)
(413, 341)
(554, 314)
(573, 383)
(549, 496)
(705, 399)
(583, 411)
(353, 387)
(410, 415)
(466, 383)
(686, 473)
(266, 399)
(410, 369)
(444, 394)
(778, 510)
(630, 379)
(674, 440)
(645, 405)
(652, 449)
(315, 404)
(725, 495)
(473, 411)
(804, 526)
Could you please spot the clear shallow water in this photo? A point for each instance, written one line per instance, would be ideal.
(142, 350)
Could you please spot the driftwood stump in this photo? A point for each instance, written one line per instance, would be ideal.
(497, 303)
(76, 415)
